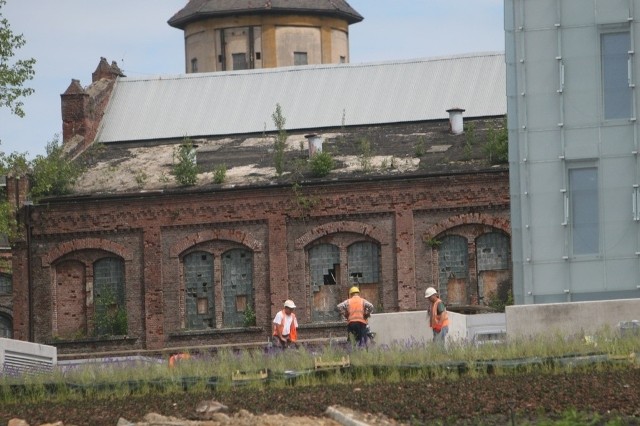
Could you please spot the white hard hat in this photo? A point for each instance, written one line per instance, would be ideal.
(430, 292)
(289, 304)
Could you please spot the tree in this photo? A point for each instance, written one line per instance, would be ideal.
(13, 75)
(53, 173)
(281, 139)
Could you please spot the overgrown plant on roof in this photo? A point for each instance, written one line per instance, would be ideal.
(419, 149)
(321, 164)
(53, 173)
(366, 154)
(185, 168)
(280, 143)
(497, 147)
(220, 173)
(469, 140)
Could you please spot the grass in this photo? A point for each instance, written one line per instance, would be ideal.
(400, 362)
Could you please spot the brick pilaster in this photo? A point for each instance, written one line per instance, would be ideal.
(279, 279)
(153, 296)
(405, 259)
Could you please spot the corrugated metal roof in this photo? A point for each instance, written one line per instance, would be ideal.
(239, 102)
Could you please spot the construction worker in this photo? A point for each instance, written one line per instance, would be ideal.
(356, 311)
(438, 317)
(285, 326)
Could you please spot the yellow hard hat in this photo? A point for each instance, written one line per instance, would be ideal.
(354, 289)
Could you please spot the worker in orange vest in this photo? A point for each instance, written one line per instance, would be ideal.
(285, 326)
(438, 317)
(356, 311)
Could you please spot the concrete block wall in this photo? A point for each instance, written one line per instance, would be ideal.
(407, 328)
(569, 319)
(574, 319)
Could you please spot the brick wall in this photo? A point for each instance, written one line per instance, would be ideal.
(152, 233)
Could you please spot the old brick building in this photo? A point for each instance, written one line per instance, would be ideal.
(133, 261)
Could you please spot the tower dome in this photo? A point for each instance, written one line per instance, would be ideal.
(223, 35)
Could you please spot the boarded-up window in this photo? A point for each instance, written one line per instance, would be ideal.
(493, 258)
(110, 316)
(199, 295)
(364, 269)
(324, 268)
(237, 286)
(71, 298)
(453, 261)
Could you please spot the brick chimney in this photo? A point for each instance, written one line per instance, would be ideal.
(82, 109)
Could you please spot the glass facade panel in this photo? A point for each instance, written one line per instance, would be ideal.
(615, 75)
(583, 186)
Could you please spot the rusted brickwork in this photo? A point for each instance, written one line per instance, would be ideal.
(152, 234)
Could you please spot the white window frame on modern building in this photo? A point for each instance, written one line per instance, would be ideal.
(576, 198)
(617, 72)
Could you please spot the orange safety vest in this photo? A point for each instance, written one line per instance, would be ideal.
(438, 321)
(176, 357)
(293, 333)
(356, 310)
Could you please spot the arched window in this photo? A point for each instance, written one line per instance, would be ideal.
(6, 286)
(364, 263)
(110, 317)
(324, 270)
(493, 254)
(199, 294)
(6, 327)
(364, 269)
(71, 299)
(237, 287)
(453, 261)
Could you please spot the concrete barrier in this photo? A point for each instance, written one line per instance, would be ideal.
(17, 356)
(409, 328)
(569, 319)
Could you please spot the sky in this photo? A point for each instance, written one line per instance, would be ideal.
(68, 37)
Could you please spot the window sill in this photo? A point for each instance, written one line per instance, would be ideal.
(95, 339)
(213, 331)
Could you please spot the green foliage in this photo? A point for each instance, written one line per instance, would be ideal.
(8, 222)
(53, 173)
(249, 317)
(469, 140)
(321, 164)
(14, 164)
(366, 153)
(141, 178)
(419, 147)
(433, 242)
(497, 147)
(281, 139)
(502, 298)
(303, 203)
(220, 173)
(185, 168)
(111, 316)
(13, 74)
